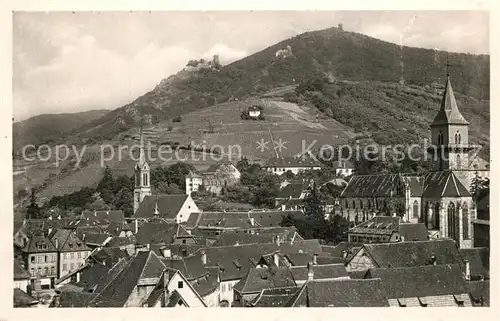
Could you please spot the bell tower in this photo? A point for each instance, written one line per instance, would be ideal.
(141, 176)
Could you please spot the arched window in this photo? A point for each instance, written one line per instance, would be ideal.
(459, 162)
(415, 210)
(465, 221)
(459, 138)
(369, 204)
(440, 138)
(353, 204)
(452, 232)
(346, 203)
(361, 204)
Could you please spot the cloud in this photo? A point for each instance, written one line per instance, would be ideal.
(86, 76)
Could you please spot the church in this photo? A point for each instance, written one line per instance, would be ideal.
(440, 198)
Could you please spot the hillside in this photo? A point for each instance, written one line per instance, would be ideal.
(332, 52)
(49, 128)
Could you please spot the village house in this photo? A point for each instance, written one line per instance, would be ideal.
(214, 178)
(72, 252)
(175, 208)
(344, 168)
(383, 229)
(41, 260)
(193, 182)
(254, 111)
(405, 254)
(280, 166)
(22, 278)
(423, 286)
(339, 293)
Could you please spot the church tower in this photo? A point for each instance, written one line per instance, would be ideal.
(141, 171)
(450, 136)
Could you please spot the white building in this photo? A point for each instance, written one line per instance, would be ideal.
(193, 182)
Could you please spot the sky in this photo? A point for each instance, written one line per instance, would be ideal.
(67, 62)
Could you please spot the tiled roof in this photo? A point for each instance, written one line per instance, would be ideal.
(413, 231)
(23, 299)
(479, 260)
(104, 217)
(20, 273)
(97, 277)
(156, 233)
(340, 293)
(420, 281)
(260, 278)
(117, 241)
(155, 296)
(293, 190)
(98, 239)
(67, 241)
(338, 251)
(408, 254)
(168, 206)
(372, 185)
(329, 271)
(357, 274)
(415, 184)
(256, 235)
(449, 113)
(444, 184)
(206, 284)
(239, 220)
(190, 267)
(215, 167)
(38, 243)
(109, 255)
(302, 259)
(114, 228)
(273, 298)
(479, 292)
(378, 225)
(70, 299)
(142, 266)
(174, 298)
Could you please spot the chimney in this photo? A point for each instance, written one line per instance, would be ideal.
(95, 213)
(147, 246)
(344, 254)
(58, 217)
(310, 272)
(83, 237)
(56, 243)
(107, 212)
(136, 226)
(276, 259)
(315, 259)
(277, 240)
(252, 221)
(433, 260)
(166, 252)
(204, 257)
(283, 207)
(402, 238)
(49, 231)
(467, 270)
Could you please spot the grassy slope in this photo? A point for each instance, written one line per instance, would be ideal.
(51, 127)
(340, 54)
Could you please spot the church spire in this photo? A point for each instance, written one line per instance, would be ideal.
(449, 113)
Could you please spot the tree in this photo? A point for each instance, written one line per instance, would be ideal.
(242, 164)
(313, 207)
(396, 205)
(33, 210)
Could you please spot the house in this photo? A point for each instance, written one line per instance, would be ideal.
(261, 278)
(22, 278)
(311, 271)
(104, 218)
(383, 229)
(72, 251)
(254, 111)
(41, 261)
(220, 175)
(133, 284)
(303, 259)
(481, 225)
(161, 232)
(272, 298)
(174, 208)
(344, 168)
(256, 235)
(193, 182)
(180, 292)
(405, 254)
(280, 166)
(423, 286)
(23, 299)
(292, 196)
(339, 293)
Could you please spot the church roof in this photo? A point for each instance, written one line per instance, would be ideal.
(168, 205)
(449, 113)
(444, 184)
